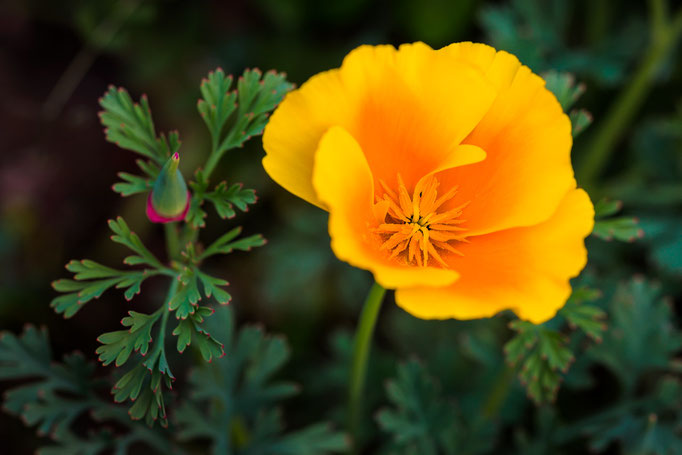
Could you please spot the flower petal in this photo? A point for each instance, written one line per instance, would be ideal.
(344, 184)
(526, 270)
(407, 108)
(527, 139)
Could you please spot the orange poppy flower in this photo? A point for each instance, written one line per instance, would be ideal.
(446, 173)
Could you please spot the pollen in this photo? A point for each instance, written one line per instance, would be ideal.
(416, 228)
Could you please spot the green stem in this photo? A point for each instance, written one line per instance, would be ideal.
(172, 241)
(499, 392)
(664, 35)
(165, 312)
(361, 346)
(212, 163)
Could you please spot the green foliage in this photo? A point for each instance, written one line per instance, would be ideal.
(119, 345)
(422, 420)
(538, 32)
(124, 236)
(233, 400)
(134, 184)
(543, 353)
(226, 243)
(665, 242)
(626, 229)
(641, 337)
(91, 279)
(98, 279)
(564, 88)
(255, 96)
(620, 395)
(568, 92)
(224, 197)
(130, 126)
(639, 349)
(582, 316)
(189, 331)
(232, 117)
(142, 383)
(58, 397)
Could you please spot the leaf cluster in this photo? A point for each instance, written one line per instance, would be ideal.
(607, 227)
(539, 34)
(232, 118)
(234, 400)
(57, 397)
(543, 353)
(567, 92)
(92, 279)
(421, 420)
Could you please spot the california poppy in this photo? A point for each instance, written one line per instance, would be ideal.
(446, 173)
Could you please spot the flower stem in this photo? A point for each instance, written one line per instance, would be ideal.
(172, 241)
(361, 345)
(664, 36)
(165, 312)
(499, 392)
(211, 163)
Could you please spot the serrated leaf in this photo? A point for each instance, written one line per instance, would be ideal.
(189, 331)
(91, 281)
(541, 353)
(641, 335)
(419, 416)
(224, 197)
(124, 236)
(132, 184)
(212, 287)
(238, 393)
(580, 120)
(33, 344)
(130, 126)
(621, 228)
(564, 87)
(196, 215)
(184, 302)
(217, 103)
(226, 244)
(59, 397)
(150, 406)
(256, 96)
(318, 439)
(607, 207)
(625, 229)
(581, 315)
(117, 346)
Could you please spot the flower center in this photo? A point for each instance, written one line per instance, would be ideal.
(414, 228)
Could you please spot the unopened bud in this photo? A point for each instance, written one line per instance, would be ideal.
(169, 200)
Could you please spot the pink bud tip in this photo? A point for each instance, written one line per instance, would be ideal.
(155, 217)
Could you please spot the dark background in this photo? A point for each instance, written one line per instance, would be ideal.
(56, 170)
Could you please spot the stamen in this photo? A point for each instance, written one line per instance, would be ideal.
(414, 230)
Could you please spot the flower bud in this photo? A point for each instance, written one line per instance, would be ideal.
(169, 199)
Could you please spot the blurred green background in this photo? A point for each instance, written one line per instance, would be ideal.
(57, 59)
